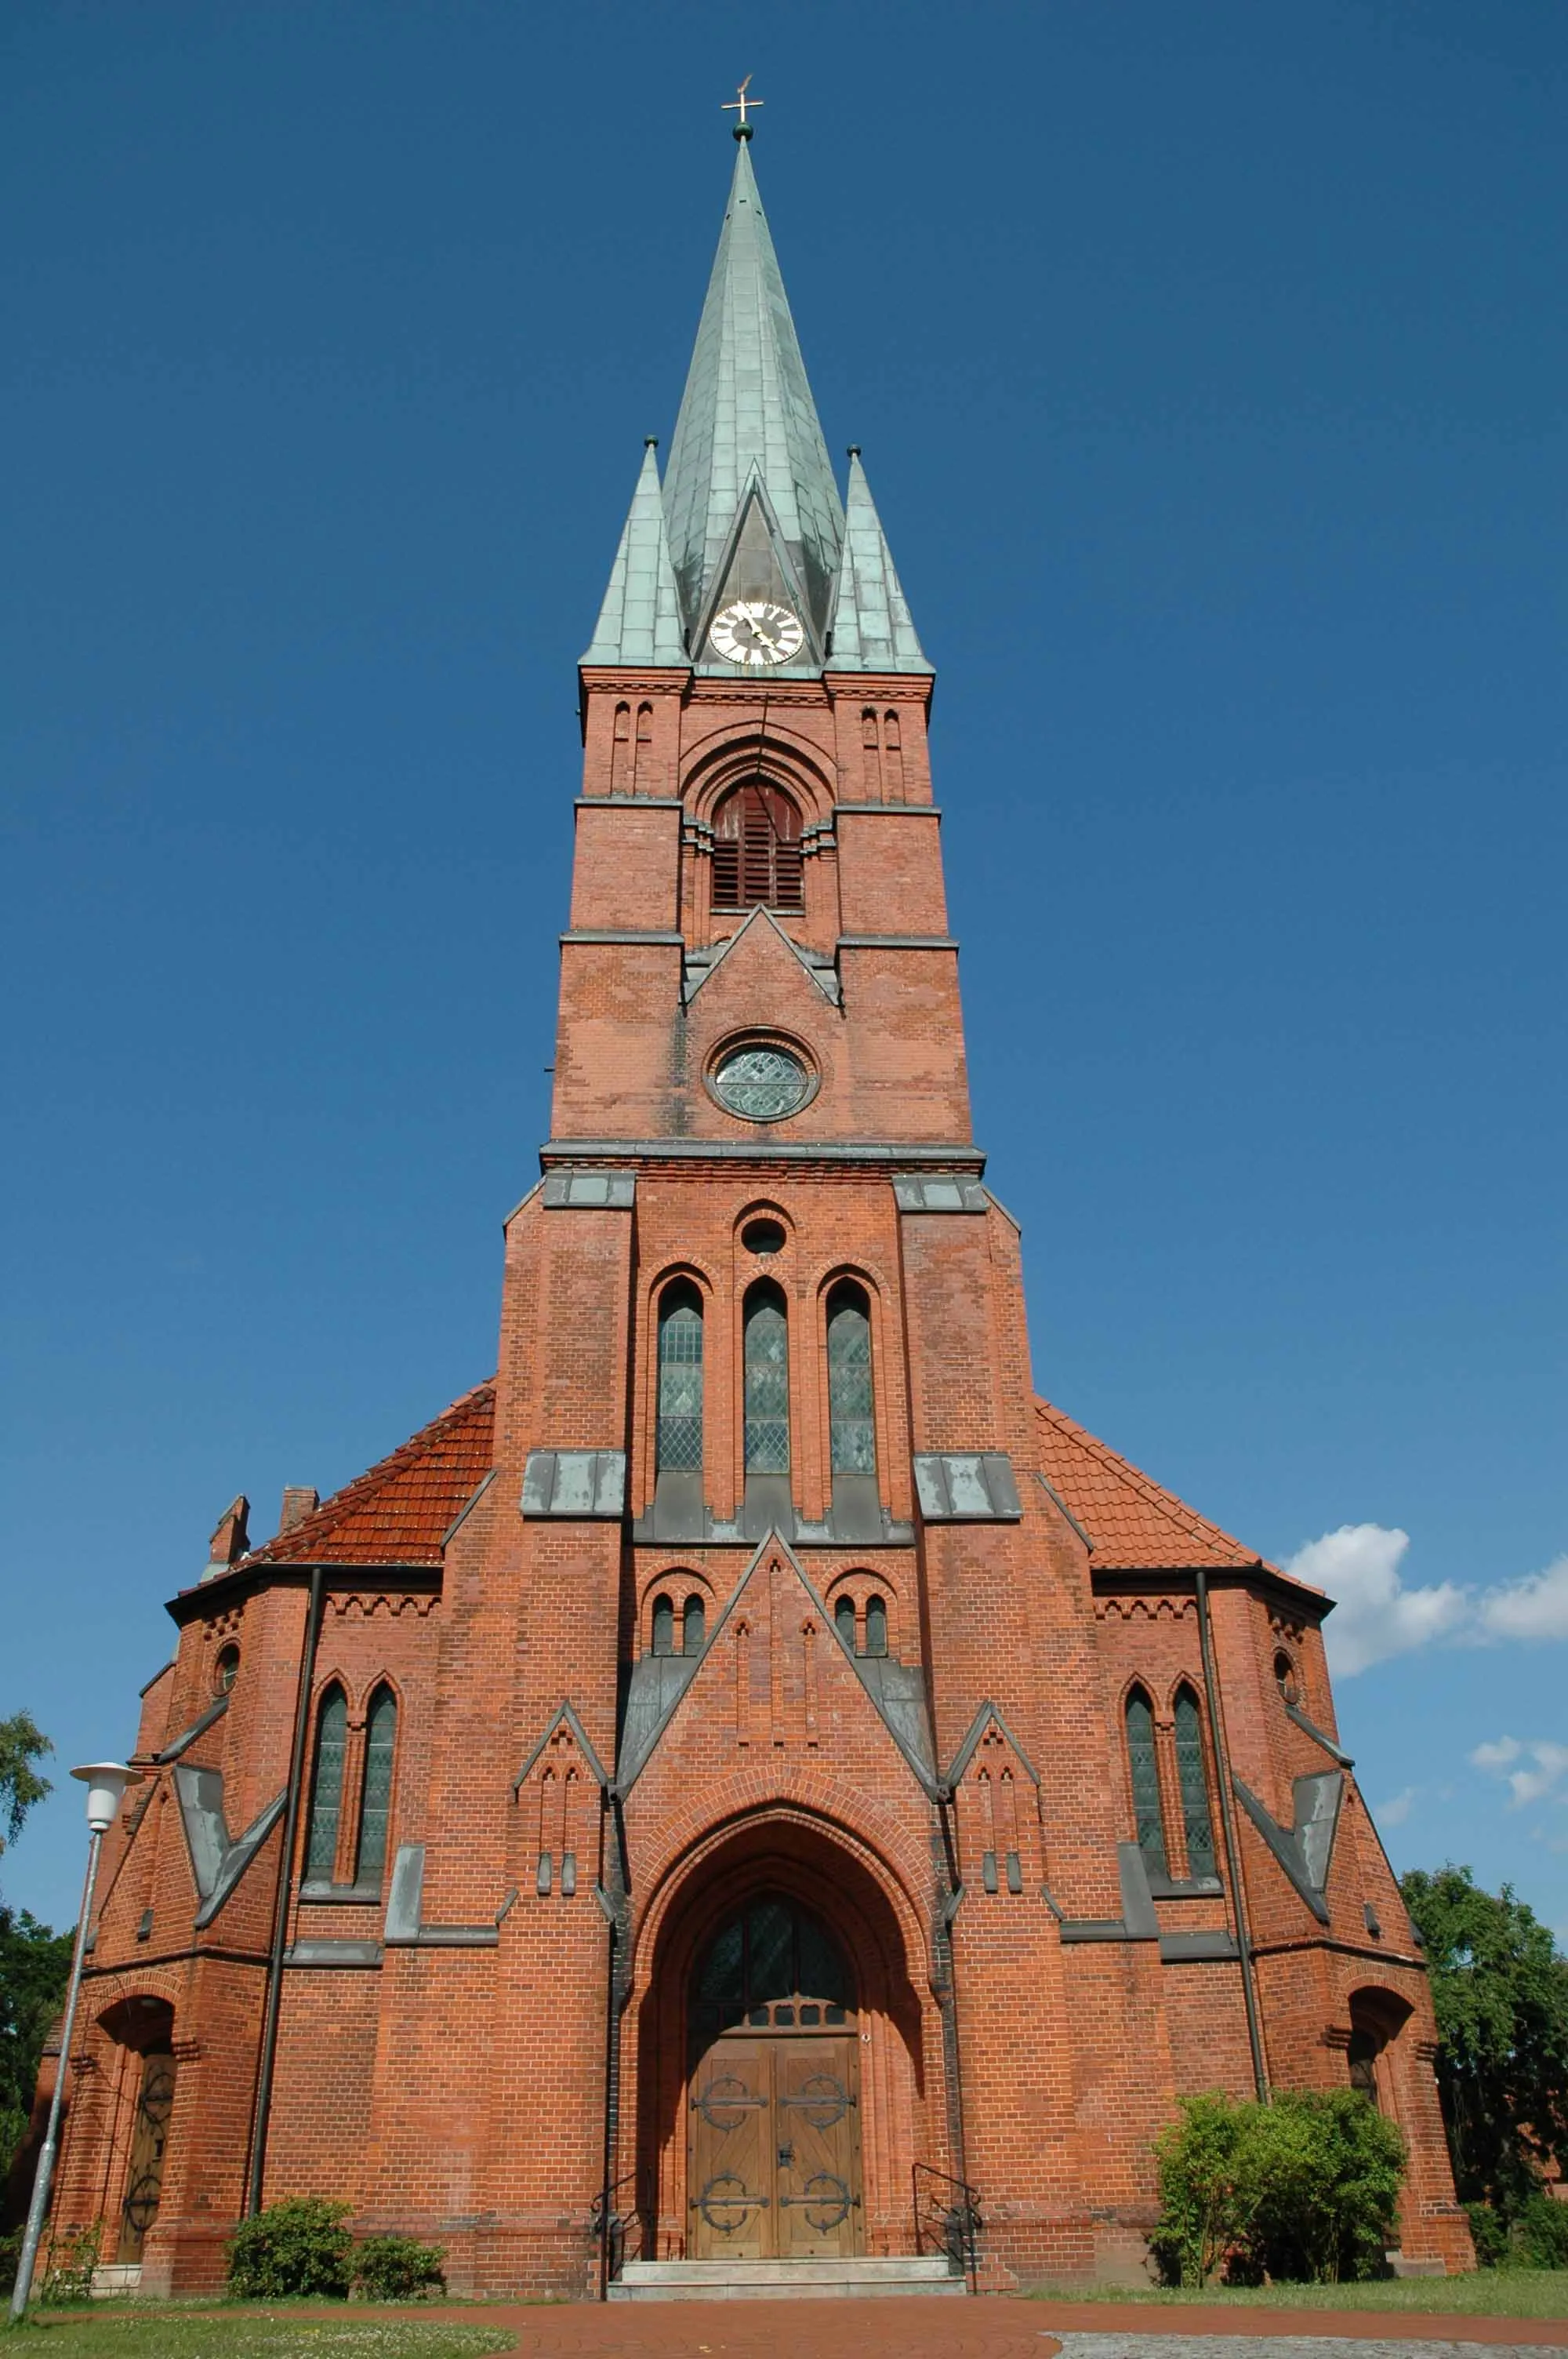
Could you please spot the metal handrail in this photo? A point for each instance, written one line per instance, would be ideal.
(948, 2219)
(608, 2225)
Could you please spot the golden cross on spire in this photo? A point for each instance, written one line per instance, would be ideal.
(738, 105)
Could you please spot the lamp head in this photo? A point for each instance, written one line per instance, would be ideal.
(106, 1782)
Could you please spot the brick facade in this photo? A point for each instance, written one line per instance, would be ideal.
(478, 2038)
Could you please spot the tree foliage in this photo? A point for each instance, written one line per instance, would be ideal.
(1499, 1986)
(22, 1743)
(1305, 2188)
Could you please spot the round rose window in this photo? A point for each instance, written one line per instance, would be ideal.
(764, 1084)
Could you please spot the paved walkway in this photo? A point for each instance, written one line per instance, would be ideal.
(994, 2328)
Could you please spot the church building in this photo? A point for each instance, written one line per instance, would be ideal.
(751, 1793)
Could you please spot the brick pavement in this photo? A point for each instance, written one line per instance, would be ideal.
(1000, 2328)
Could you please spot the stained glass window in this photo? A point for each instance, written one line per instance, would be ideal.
(327, 1785)
(765, 1085)
(761, 1963)
(767, 1383)
(1194, 1782)
(376, 1809)
(844, 1615)
(849, 1382)
(694, 1626)
(680, 1379)
(876, 1625)
(1145, 1779)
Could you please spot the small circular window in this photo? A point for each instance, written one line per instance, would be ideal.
(765, 1085)
(764, 1237)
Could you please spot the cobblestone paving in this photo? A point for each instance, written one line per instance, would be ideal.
(1123, 2346)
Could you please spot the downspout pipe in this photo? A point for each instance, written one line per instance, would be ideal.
(1232, 1855)
(267, 2061)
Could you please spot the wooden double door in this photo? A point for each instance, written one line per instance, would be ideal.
(773, 2157)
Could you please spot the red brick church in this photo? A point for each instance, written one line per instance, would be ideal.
(749, 1788)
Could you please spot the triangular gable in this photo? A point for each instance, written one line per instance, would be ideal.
(824, 979)
(989, 1715)
(773, 1549)
(565, 1718)
(756, 563)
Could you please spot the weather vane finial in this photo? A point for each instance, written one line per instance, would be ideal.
(738, 105)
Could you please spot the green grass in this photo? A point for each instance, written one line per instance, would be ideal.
(144, 2332)
(1484, 2293)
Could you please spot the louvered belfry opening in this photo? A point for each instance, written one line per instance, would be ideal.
(756, 850)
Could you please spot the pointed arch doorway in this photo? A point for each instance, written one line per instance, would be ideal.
(774, 2132)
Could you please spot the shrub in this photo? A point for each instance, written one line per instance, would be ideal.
(1489, 2235)
(1307, 2187)
(296, 2247)
(65, 2266)
(1539, 2238)
(397, 2268)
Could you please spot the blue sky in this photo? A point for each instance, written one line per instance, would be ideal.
(1208, 365)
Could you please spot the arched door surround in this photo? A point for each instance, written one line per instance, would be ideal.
(781, 1896)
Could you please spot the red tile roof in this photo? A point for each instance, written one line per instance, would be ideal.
(1135, 1526)
(399, 1512)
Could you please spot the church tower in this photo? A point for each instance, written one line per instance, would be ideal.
(752, 1785)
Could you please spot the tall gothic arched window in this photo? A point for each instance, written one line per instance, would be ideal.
(757, 854)
(327, 1785)
(854, 1447)
(1192, 1779)
(680, 1379)
(1145, 1772)
(376, 1799)
(767, 1382)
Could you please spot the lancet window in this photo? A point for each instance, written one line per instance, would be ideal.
(849, 1382)
(1144, 1768)
(1192, 1779)
(767, 1382)
(327, 1785)
(375, 1799)
(680, 1379)
(757, 855)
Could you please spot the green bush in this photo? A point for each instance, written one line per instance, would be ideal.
(1489, 2235)
(296, 2247)
(67, 2259)
(1539, 2238)
(397, 2268)
(1305, 2188)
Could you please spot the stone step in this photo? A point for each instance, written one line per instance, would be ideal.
(111, 2278)
(857, 2279)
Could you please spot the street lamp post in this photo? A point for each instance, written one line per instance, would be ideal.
(106, 1782)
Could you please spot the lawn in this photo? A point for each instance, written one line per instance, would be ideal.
(1483, 2293)
(144, 2332)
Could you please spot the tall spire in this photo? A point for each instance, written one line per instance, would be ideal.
(640, 621)
(748, 408)
(872, 627)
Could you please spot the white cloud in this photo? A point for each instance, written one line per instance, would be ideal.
(1395, 1813)
(1530, 1785)
(1535, 1607)
(1378, 1617)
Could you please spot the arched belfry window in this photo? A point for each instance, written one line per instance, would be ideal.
(663, 1626)
(844, 1615)
(876, 1625)
(849, 1382)
(693, 1626)
(1145, 1772)
(327, 1785)
(757, 854)
(680, 1379)
(767, 1382)
(1192, 1779)
(375, 1803)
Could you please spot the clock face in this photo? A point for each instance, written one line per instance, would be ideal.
(754, 632)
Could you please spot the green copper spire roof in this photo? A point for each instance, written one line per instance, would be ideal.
(872, 630)
(747, 404)
(640, 621)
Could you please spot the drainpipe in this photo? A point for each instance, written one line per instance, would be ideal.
(949, 2013)
(612, 2046)
(1232, 1857)
(268, 2057)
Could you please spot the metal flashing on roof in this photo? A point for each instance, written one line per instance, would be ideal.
(872, 630)
(578, 1187)
(640, 621)
(938, 1191)
(956, 1486)
(586, 1484)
